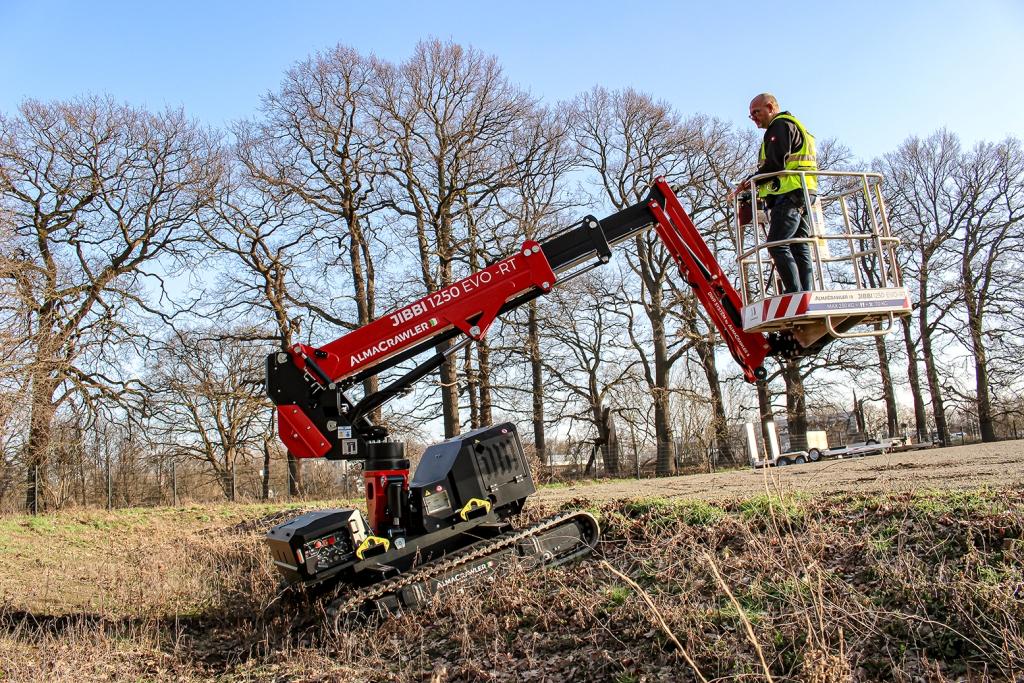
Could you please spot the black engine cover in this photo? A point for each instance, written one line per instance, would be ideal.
(486, 464)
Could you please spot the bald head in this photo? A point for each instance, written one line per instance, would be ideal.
(763, 109)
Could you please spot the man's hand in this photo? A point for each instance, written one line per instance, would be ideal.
(742, 187)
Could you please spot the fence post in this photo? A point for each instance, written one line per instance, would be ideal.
(35, 489)
(174, 483)
(232, 482)
(110, 487)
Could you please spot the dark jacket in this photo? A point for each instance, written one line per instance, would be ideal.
(782, 137)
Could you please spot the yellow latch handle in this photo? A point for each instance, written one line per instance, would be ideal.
(370, 543)
(474, 504)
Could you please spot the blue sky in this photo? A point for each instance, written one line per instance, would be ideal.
(868, 73)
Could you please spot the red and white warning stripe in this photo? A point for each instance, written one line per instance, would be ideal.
(785, 306)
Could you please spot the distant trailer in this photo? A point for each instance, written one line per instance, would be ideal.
(858, 449)
(773, 458)
(817, 449)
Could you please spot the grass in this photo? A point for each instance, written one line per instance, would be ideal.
(972, 502)
(664, 511)
(773, 508)
(902, 586)
(617, 595)
(885, 536)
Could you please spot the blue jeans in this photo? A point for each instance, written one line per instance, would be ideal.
(792, 261)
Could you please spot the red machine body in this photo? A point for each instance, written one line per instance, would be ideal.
(466, 489)
(377, 486)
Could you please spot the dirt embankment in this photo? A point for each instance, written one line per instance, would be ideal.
(996, 465)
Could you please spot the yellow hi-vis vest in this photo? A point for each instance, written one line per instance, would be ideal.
(804, 159)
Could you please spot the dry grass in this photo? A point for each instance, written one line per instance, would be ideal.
(901, 587)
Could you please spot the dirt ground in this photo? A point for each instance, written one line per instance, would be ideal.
(996, 464)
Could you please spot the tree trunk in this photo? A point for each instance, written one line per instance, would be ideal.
(589, 467)
(858, 417)
(39, 439)
(888, 392)
(537, 379)
(449, 394)
(796, 405)
(294, 476)
(606, 438)
(81, 477)
(720, 422)
(976, 328)
(920, 416)
(32, 482)
(932, 374)
(364, 289)
(764, 404)
(483, 351)
(229, 474)
(265, 493)
(613, 456)
(666, 464)
(666, 445)
(985, 423)
(472, 388)
(482, 371)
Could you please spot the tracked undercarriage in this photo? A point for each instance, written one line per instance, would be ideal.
(449, 527)
(548, 543)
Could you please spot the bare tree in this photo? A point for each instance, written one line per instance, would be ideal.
(208, 402)
(962, 213)
(261, 240)
(448, 115)
(713, 156)
(103, 198)
(888, 387)
(914, 377)
(477, 366)
(584, 361)
(317, 144)
(535, 205)
(796, 403)
(304, 203)
(989, 183)
(626, 140)
(923, 214)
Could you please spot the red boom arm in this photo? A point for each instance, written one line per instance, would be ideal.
(478, 296)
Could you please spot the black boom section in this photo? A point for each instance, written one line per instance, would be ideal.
(580, 242)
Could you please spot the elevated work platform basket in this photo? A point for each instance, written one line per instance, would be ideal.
(857, 287)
